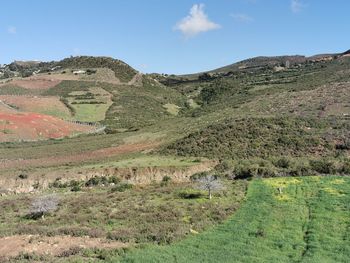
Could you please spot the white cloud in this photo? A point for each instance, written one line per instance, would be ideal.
(297, 6)
(12, 30)
(196, 22)
(242, 18)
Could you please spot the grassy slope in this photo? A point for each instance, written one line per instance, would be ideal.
(138, 107)
(255, 137)
(145, 214)
(309, 222)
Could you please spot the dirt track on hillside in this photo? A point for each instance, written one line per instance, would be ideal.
(77, 158)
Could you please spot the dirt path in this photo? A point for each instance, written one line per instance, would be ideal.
(136, 80)
(77, 158)
(12, 246)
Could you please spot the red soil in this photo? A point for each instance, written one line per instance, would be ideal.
(33, 126)
(35, 104)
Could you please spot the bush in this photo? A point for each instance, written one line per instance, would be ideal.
(94, 181)
(300, 170)
(345, 169)
(282, 163)
(102, 180)
(323, 166)
(76, 188)
(190, 194)
(245, 172)
(58, 184)
(165, 181)
(23, 176)
(122, 187)
(114, 180)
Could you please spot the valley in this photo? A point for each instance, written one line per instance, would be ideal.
(119, 157)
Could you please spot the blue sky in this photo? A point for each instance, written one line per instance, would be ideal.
(171, 36)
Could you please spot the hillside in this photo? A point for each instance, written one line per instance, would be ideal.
(121, 70)
(120, 156)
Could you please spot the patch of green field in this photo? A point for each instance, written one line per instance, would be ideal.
(307, 222)
(90, 112)
(57, 113)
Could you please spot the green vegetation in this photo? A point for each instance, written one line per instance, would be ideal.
(138, 107)
(147, 214)
(263, 137)
(306, 222)
(257, 119)
(152, 161)
(10, 89)
(122, 71)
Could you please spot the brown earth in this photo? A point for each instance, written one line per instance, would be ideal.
(12, 246)
(34, 83)
(76, 158)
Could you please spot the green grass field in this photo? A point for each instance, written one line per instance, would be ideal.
(308, 222)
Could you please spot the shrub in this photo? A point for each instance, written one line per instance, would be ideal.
(70, 252)
(190, 194)
(23, 176)
(93, 181)
(122, 187)
(102, 180)
(300, 170)
(345, 169)
(165, 181)
(223, 166)
(282, 163)
(245, 172)
(323, 166)
(114, 180)
(58, 184)
(76, 188)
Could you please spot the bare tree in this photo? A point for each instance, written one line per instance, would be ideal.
(43, 205)
(210, 183)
